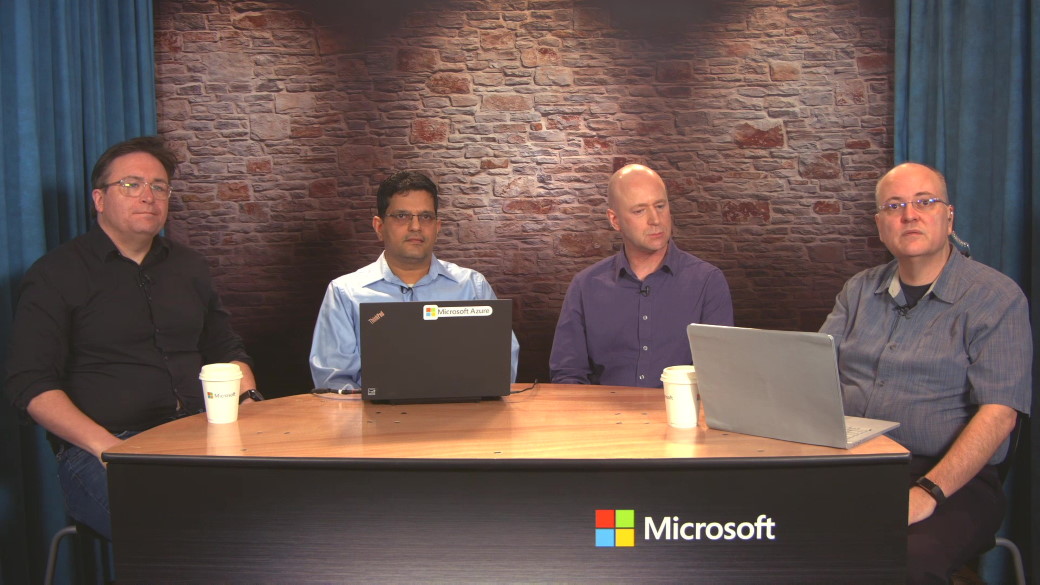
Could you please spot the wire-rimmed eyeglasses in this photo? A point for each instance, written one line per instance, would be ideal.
(132, 187)
(923, 205)
(405, 218)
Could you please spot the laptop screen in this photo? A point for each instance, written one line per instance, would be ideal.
(778, 384)
(435, 350)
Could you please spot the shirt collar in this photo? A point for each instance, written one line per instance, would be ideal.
(380, 270)
(945, 287)
(622, 266)
(159, 251)
(105, 249)
(950, 283)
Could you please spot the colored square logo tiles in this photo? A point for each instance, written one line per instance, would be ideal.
(604, 518)
(624, 518)
(624, 537)
(615, 528)
(604, 537)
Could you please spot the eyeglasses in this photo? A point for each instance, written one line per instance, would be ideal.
(132, 188)
(405, 218)
(924, 205)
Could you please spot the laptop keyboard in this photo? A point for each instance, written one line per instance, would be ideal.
(852, 433)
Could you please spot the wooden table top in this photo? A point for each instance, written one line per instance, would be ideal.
(551, 421)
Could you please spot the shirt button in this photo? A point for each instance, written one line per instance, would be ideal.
(645, 348)
(642, 377)
(645, 317)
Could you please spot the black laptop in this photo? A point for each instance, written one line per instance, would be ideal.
(437, 351)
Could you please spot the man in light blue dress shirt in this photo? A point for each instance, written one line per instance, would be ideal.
(407, 224)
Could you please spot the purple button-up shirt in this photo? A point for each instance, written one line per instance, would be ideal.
(619, 331)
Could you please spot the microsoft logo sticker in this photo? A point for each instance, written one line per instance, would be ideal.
(615, 528)
(429, 312)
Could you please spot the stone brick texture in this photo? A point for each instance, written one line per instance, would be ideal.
(770, 121)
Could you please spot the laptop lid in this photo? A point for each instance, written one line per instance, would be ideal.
(777, 384)
(435, 351)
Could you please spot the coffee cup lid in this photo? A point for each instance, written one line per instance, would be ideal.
(220, 372)
(679, 374)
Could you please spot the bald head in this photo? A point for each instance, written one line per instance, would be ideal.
(915, 228)
(637, 206)
(631, 178)
(907, 171)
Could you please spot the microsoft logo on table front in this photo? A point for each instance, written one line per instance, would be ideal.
(615, 528)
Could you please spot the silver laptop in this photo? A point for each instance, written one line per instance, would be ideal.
(776, 384)
(436, 351)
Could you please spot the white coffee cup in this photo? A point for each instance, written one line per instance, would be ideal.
(220, 383)
(680, 396)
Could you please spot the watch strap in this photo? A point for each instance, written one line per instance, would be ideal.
(932, 488)
(252, 393)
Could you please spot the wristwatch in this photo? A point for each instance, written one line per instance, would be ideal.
(251, 393)
(933, 490)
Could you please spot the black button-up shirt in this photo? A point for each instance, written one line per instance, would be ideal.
(124, 341)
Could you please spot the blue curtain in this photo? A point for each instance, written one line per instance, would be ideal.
(75, 77)
(968, 103)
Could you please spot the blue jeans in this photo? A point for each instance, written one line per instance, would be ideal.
(84, 482)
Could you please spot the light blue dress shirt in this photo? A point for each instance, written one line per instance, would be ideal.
(335, 359)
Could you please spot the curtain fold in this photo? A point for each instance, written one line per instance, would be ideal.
(968, 102)
(1032, 438)
(75, 77)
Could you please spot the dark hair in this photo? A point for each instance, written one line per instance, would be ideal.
(152, 145)
(401, 182)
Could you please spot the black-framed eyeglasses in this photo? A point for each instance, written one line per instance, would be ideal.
(132, 187)
(924, 205)
(405, 218)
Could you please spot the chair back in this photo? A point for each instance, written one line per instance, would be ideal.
(1004, 467)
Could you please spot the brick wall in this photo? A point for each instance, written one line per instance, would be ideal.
(770, 121)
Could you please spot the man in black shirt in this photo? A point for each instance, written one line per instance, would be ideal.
(112, 328)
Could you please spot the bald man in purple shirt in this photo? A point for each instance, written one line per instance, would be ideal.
(624, 318)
